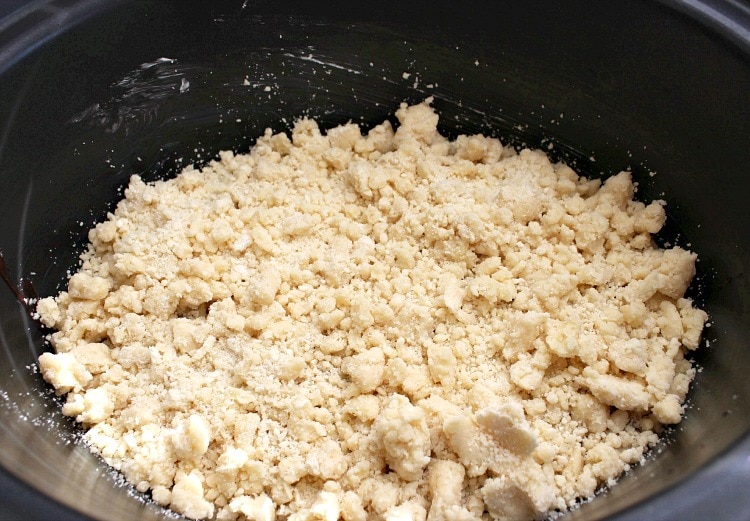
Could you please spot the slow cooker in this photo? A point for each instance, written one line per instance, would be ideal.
(94, 91)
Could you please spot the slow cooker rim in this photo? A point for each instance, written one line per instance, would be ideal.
(35, 24)
(729, 19)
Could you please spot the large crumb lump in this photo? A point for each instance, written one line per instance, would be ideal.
(392, 326)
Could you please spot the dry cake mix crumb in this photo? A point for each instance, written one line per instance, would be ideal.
(391, 326)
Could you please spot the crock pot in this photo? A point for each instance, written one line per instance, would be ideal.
(92, 92)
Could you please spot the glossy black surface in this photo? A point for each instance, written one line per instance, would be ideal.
(93, 92)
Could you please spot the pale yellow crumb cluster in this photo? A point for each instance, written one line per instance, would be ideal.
(392, 326)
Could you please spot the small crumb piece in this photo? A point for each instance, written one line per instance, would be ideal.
(259, 508)
(506, 501)
(402, 429)
(508, 426)
(192, 439)
(187, 498)
(325, 508)
(622, 393)
(64, 372)
(84, 286)
(366, 369)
